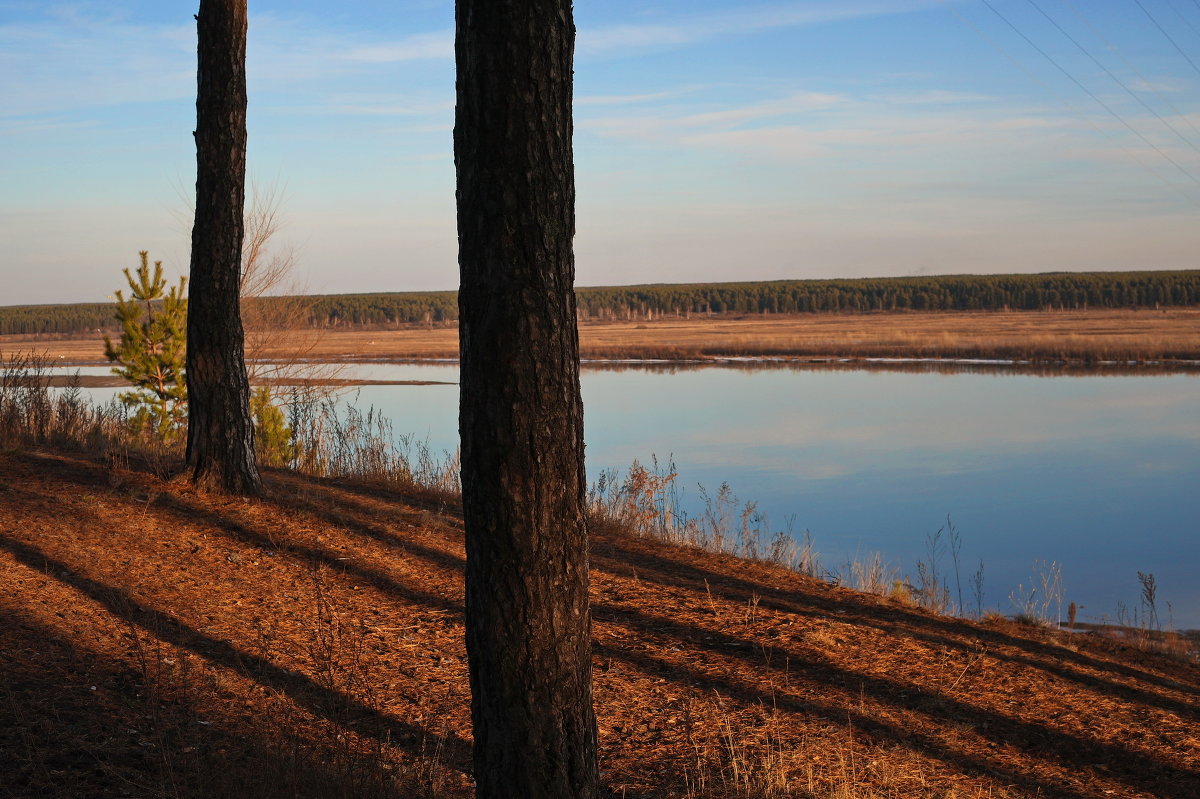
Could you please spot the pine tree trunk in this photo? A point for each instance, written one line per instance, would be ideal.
(220, 449)
(521, 416)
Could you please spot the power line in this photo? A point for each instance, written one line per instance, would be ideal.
(1116, 79)
(1133, 67)
(1163, 31)
(1087, 119)
(1179, 14)
(1092, 94)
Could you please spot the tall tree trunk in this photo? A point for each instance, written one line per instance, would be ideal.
(521, 416)
(220, 448)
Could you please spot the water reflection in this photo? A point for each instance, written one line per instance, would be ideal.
(1096, 469)
(1097, 473)
(908, 366)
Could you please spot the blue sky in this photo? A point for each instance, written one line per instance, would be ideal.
(715, 140)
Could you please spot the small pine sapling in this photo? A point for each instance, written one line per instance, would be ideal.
(275, 445)
(152, 350)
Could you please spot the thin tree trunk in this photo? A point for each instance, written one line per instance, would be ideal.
(220, 449)
(521, 416)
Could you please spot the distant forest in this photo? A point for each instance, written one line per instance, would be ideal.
(1051, 291)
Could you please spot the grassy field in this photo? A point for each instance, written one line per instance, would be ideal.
(1078, 336)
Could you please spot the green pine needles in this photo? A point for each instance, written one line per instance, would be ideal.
(152, 350)
(274, 442)
(152, 357)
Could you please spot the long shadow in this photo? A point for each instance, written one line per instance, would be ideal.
(330, 485)
(931, 629)
(1068, 750)
(241, 533)
(303, 690)
(839, 715)
(435, 557)
(83, 473)
(55, 735)
(667, 571)
(885, 691)
(74, 722)
(93, 475)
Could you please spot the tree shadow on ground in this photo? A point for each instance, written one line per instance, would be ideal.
(724, 662)
(945, 631)
(75, 722)
(323, 702)
(1039, 741)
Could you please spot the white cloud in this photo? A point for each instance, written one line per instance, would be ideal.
(386, 106)
(931, 97)
(670, 126)
(70, 63)
(1158, 85)
(629, 37)
(419, 47)
(883, 137)
(41, 125)
(807, 125)
(64, 62)
(622, 99)
(800, 103)
(702, 27)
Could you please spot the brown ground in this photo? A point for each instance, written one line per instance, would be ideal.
(1085, 335)
(159, 642)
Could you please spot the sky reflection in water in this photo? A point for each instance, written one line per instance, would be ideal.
(1097, 473)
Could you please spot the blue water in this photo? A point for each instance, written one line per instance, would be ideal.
(1097, 473)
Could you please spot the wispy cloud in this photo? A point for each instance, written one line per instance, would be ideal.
(702, 27)
(806, 125)
(1159, 85)
(670, 125)
(932, 97)
(41, 125)
(799, 103)
(65, 61)
(419, 47)
(623, 99)
(377, 105)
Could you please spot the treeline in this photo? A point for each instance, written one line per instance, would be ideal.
(1058, 290)
(355, 310)
(58, 319)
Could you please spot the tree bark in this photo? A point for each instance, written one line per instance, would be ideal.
(220, 449)
(521, 415)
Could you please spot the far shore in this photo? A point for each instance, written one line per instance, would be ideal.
(1168, 338)
(112, 381)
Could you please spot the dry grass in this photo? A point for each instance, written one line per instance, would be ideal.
(328, 439)
(160, 642)
(1086, 336)
(156, 641)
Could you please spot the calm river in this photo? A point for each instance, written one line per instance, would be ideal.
(1100, 474)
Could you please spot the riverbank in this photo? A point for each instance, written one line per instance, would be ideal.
(1170, 337)
(193, 645)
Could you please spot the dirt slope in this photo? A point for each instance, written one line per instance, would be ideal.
(158, 642)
